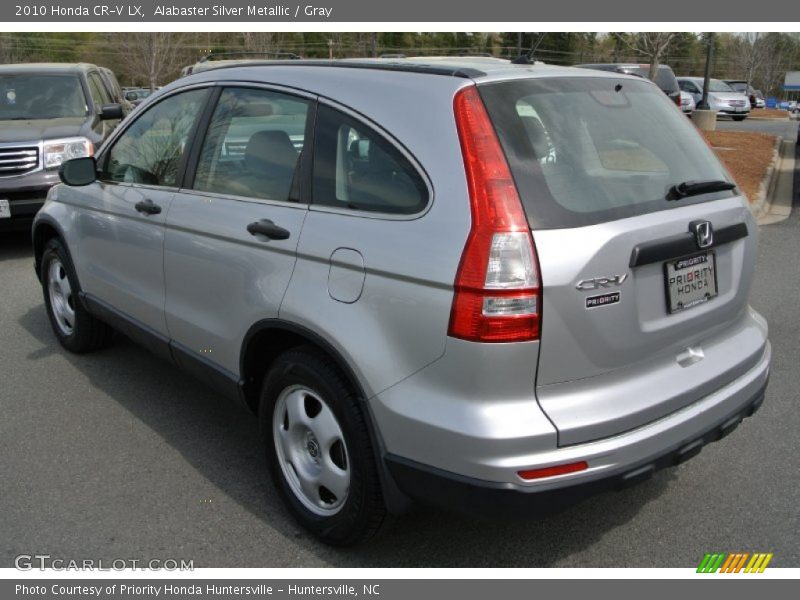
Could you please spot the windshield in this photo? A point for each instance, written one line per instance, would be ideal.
(589, 150)
(715, 85)
(41, 97)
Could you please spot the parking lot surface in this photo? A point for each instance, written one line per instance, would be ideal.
(119, 455)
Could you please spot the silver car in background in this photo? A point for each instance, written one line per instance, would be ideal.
(687, 103)
(721, 97)
(485, 286)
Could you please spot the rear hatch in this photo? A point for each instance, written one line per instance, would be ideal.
(642, 313)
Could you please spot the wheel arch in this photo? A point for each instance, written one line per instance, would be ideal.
(269, 338)
(44, 230)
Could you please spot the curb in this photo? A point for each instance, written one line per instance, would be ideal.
(777, 204)
(762, 203)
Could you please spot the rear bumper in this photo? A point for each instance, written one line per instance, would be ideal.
(470, 495)
(467, 453)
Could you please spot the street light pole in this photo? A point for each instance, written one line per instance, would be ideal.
(709, 58)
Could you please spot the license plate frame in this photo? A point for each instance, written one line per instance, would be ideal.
(690, 281)
(5, 209)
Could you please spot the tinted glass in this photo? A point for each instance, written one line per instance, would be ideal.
(589, 150)
(41, 97)
(355, 167)
(151, 149)
(100, 94)
(665, 78)
(253, 144)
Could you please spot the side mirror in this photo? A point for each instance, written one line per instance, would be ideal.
(131, 96)
(111, 111)
(78, 171)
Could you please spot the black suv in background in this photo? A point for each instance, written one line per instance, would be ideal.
(49, 113)
(665, 78)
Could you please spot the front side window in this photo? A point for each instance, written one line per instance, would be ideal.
(24, 97)
(150, 151)
(253, 144)
(356, 168)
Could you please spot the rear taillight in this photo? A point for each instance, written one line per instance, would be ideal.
(677, 99)
(497, 295)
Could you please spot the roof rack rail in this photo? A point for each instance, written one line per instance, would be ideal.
(245, 53)
(378, 65)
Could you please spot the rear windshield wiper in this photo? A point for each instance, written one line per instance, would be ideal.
(694, 188)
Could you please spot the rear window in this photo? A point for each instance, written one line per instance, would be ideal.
(588, 150)
(665, 78)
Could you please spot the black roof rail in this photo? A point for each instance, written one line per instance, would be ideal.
(463, 72)
(245, 53)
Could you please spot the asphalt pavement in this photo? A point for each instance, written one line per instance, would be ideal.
(119, 455)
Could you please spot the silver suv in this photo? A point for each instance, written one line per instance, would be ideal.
(470, 283)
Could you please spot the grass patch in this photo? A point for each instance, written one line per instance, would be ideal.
(746, 155)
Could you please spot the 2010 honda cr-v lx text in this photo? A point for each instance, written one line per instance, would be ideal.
(460, 281)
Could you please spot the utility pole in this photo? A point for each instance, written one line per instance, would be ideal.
(709, 58)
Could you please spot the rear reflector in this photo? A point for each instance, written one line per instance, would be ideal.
(497, 295)
(553, 471)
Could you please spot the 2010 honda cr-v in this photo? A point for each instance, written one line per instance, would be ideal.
(461, 281)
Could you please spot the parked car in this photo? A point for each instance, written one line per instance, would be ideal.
(721, 97)
(48, 113)
(665, 78)
(136, 96)
(687, 102)
(753, 95)
(531, 290)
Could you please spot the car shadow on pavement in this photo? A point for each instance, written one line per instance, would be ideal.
(221, 441)
(15, 245)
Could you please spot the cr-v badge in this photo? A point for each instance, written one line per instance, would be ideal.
(601, 282)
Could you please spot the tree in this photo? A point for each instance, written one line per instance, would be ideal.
(152, 57)
(651, 45)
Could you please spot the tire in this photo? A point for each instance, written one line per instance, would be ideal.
(75, 328)
(740, 118)
(319, 450)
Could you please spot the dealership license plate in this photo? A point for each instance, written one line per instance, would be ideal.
(5, 211)
(690, 281)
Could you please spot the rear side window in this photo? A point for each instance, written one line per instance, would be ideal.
(253, 144)
(588, 150)
(356, 168)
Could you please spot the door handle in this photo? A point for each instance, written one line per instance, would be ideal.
(147, 207)
(267, 228)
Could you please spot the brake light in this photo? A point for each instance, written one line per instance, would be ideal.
(497, 295)
(678, 99)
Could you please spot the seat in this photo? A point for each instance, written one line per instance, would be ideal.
(270, 160)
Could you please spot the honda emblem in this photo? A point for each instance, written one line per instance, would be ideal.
(703, 233)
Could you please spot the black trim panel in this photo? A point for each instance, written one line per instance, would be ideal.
(486, 498)
(201, 368)
(198, 366)
(682, 244)
(142, 334)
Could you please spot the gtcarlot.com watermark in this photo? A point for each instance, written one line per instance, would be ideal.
(45, 562)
